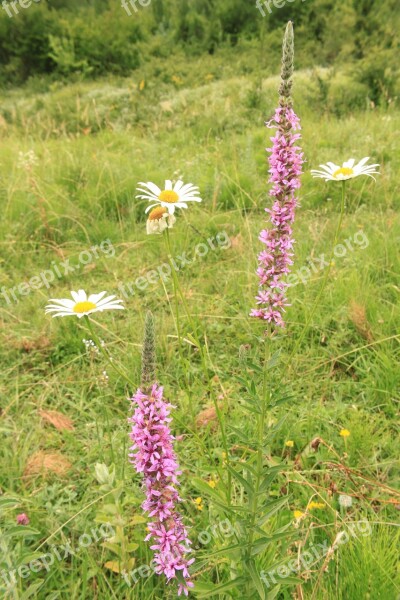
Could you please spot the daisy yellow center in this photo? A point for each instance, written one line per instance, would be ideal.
(168, 196)
(82, 307)
(157, 213)
(346, 171)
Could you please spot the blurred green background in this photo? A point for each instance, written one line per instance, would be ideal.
(75, 39)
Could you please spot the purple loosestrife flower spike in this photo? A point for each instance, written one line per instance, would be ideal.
(153, 456)
(285, 162)
(148, 353)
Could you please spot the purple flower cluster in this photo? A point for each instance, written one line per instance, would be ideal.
(153, 455)
(274, 261)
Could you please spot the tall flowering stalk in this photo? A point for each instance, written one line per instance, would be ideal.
(154, 457)
(285, 163)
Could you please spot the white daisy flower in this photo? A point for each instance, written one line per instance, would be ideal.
(171, 197)
(159, 219)
(347, 171)
(82, 305)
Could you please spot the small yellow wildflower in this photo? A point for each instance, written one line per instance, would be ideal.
(289, 443)
(212, 483)
(344, 433)
(199, 503)
(141, 85)
(298, 514)
(312, 505)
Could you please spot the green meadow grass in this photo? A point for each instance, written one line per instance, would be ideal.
(94, 142)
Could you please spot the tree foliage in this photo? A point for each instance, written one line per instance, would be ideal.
(97, 37)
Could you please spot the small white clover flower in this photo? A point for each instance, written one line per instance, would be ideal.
(345, 501)
(27, 160)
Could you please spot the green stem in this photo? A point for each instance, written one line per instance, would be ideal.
(260, 450)
(174, 282)
(105, 353)
(177, 287)
(327, 273)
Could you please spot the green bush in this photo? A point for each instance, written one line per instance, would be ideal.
(346, 95)
(70, 38)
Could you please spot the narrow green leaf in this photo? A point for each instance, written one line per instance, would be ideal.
(262, 543)
(268, 477)
(204, 488)
(137, 520)
(251, 407)
(19, 531)
(32, 589)
(227, 550)
(271, 508)
(254, 366)
(243, 482)
(27, 558)
(6, 503)
(255, 577)
(207, 590)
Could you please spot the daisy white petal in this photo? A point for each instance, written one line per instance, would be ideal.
(152, 187)
(97, 297)
(82, 305)
(365, 160)
(171, 197)
(178, 185)
(65, 303)
(189, 188)
(147, 196)
(106, 300)
(77, 296)
(348, 170)
(148, 209)
(159, 220)
(192, 199)
(349, 163)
